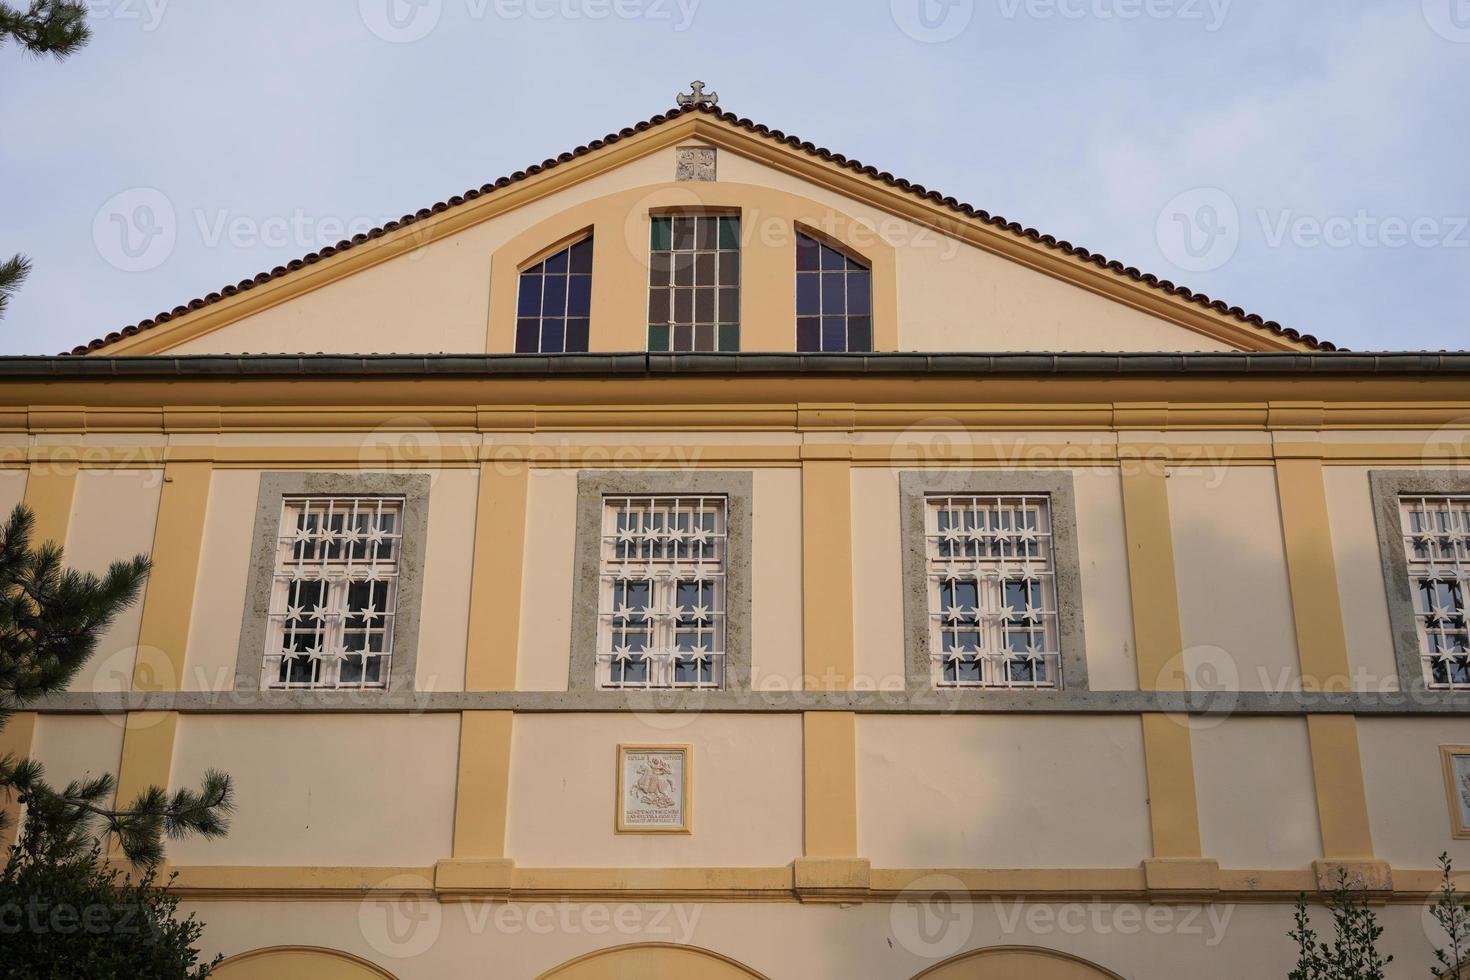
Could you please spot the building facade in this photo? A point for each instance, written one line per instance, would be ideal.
(704, 556)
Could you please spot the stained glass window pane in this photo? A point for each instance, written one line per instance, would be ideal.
(555, 289)
(833, 305)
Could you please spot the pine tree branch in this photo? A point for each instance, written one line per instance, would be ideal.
(13, 271)
(55, 27)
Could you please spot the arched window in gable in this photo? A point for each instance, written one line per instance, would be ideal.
(834, 299)
(555, 302)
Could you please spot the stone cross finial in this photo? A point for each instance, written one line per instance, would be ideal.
(698, 96)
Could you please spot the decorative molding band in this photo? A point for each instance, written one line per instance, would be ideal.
(1196, 703)
(804, 880)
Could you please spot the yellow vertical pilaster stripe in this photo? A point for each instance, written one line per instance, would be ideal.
(1316, 604)
(829, 865)
(147, 757)
(495, 583)
(50, 488)
(829, 740)
(1312, 573)
(1168, 753)
(1342, 799)
(16, 738)
(826, 568)
(482, 796)
(168, 602)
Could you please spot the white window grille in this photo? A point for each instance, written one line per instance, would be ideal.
(992, 592)
(661, 606)
(1436, 533)
(335, 593)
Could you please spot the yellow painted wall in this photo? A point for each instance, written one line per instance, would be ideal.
(312, 788)
(1235, 610)
(1253, 782)
(747, 791)
(992, 791)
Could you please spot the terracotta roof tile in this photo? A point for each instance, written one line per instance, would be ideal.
(969, 210)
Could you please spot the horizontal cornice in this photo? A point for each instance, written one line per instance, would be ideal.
(623, 365)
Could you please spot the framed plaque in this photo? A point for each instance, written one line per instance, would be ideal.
(1456, 759)
(653, 789)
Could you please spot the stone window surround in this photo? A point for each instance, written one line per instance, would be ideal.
(274, 487)
(913, 487)
(592, 487)
(1387, 486)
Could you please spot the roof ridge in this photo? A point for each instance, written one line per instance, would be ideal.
(760, 129)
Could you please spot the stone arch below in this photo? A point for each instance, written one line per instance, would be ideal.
(1016, 963)
(652, 961)
(298, 963)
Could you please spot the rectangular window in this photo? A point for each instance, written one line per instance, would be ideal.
(1436, 542)
(694, 283)
(992, 592)
(334, 593)
(661, 606)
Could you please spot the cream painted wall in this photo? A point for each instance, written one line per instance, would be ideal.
(996, 791)
(1360, 577)
(546, 581)
(312, 788)
(1408, 806)
(113, 515)
(433, 299)
(878, 645)
(877, 579)
(747, 791)
(12, 489)
(1253, 784)
(1230, 561)
(952, 296)
(776, 606)
(448, 556)
(77, 746)
(1106, 601)
(224, 570)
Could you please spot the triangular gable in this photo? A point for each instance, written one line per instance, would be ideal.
(1027, 246)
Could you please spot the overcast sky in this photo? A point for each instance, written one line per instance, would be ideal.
(1304, 160)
